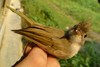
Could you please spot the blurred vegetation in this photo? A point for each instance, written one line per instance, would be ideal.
(62, 13)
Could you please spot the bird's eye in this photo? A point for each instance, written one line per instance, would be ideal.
(85, 36)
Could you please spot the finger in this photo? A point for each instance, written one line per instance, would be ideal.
(52, 62)
(28, 47)
(36, 58)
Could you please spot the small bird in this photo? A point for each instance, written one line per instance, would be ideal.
(59, 43)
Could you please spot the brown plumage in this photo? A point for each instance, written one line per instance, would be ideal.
(59, 43)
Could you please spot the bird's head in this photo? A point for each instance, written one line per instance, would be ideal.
(78, 32)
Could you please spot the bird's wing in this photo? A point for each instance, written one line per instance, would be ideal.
(46, 40)
(53, 31)
(41, 34)
(36, 34)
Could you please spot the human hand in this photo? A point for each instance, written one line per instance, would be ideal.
(38, 58)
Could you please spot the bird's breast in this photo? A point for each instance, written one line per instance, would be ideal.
(74, 48)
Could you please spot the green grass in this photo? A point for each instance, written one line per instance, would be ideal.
(62, 13)
(46, 15)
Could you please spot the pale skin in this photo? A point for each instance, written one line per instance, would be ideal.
(38, 58)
